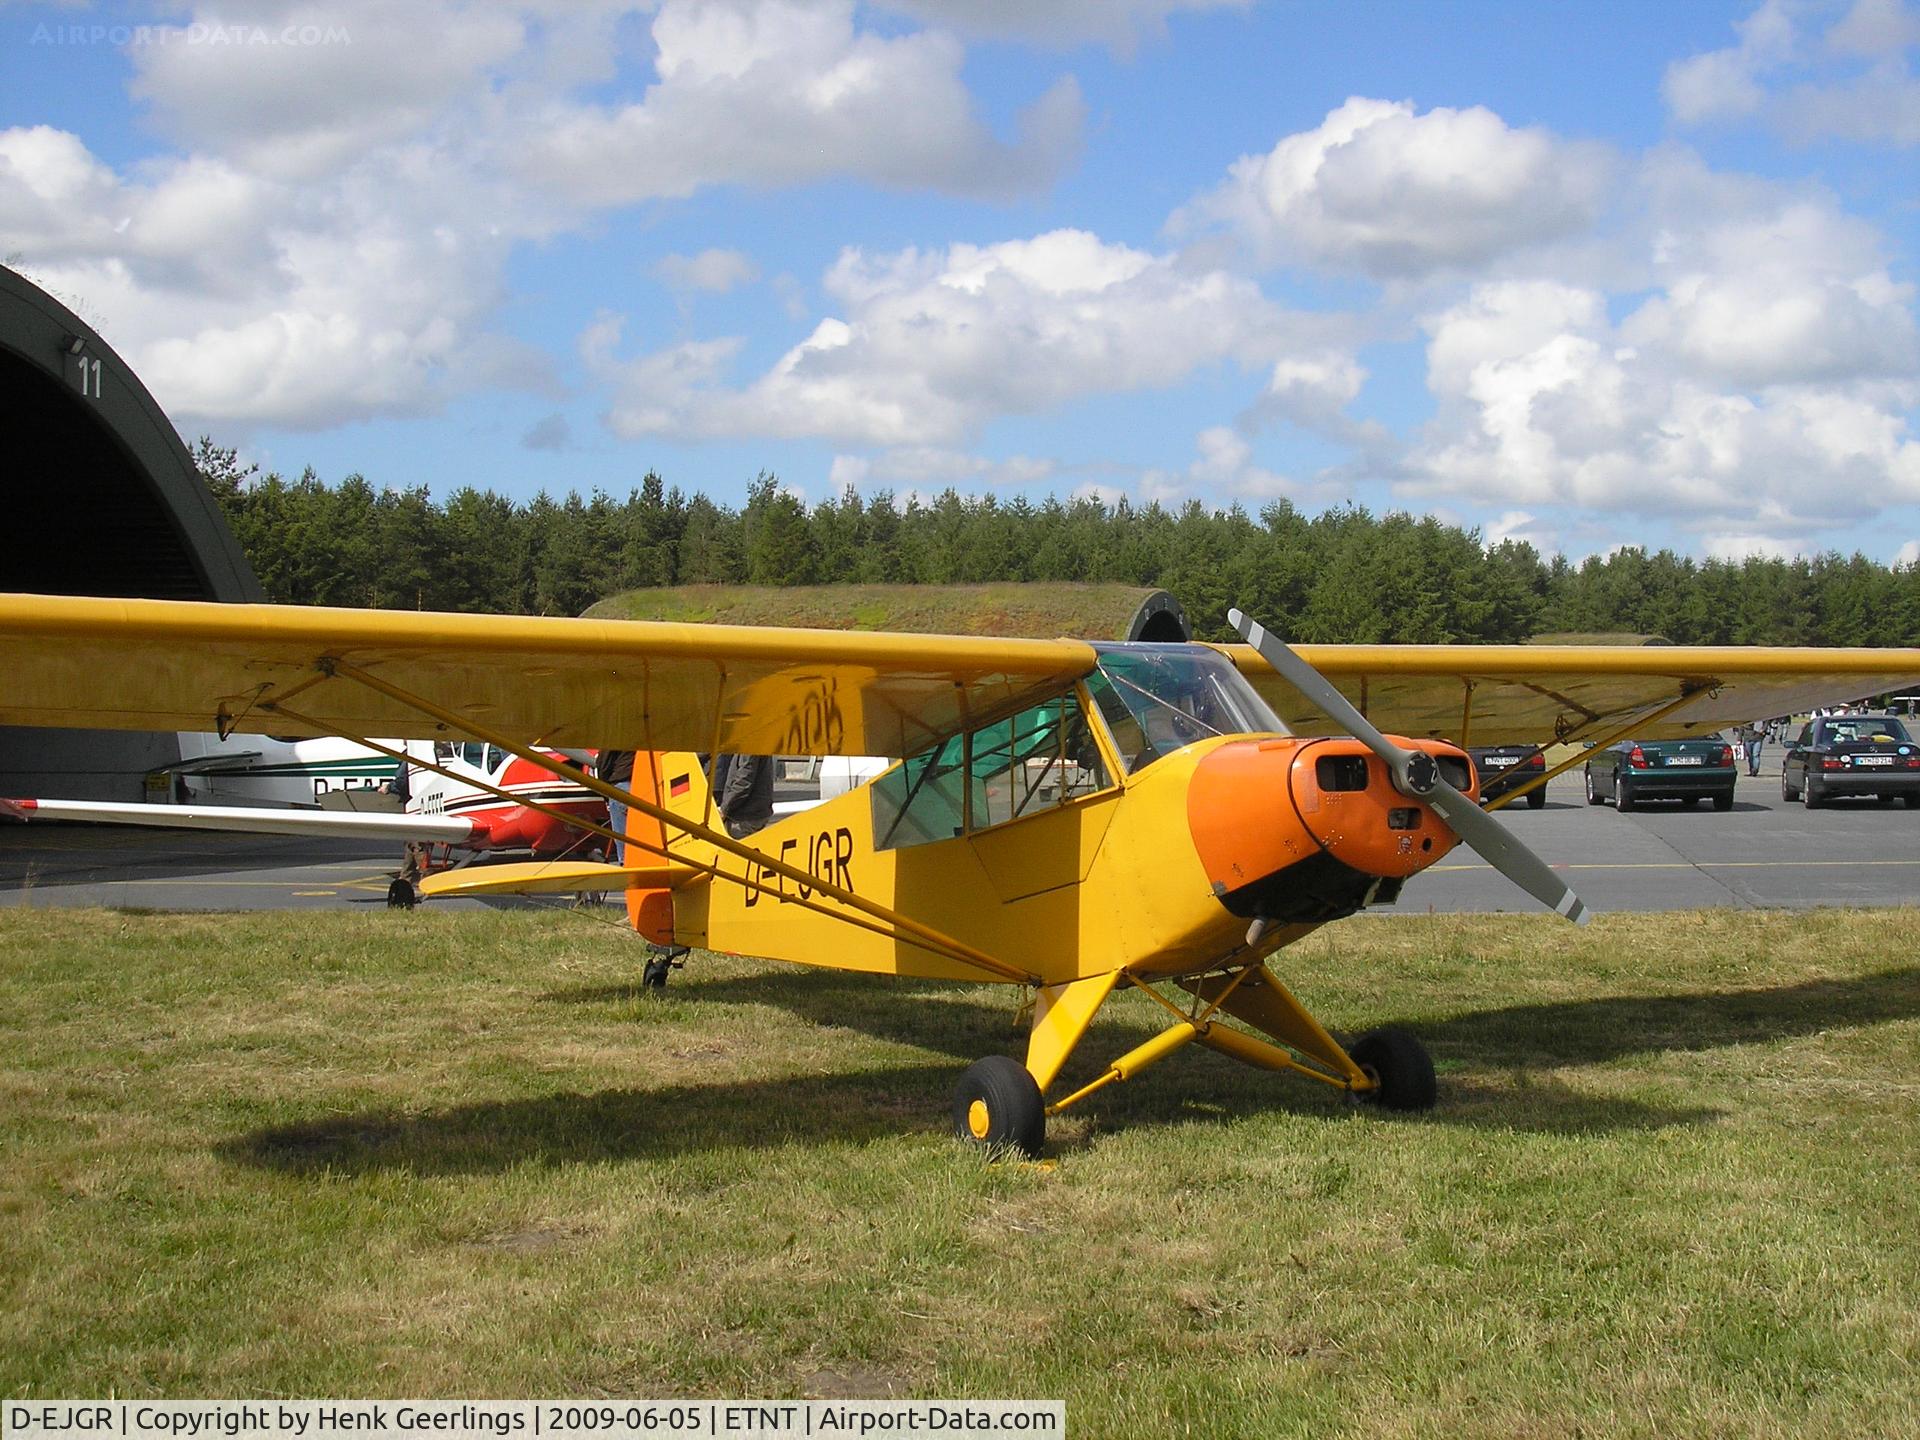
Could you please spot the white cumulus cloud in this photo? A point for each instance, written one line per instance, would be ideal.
(1391, 192)
(930, 345)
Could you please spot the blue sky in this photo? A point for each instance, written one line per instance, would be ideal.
(1589, 275)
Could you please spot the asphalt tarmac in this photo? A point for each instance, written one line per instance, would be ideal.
(1763, 853)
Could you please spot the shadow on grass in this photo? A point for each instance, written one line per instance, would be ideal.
(855, 1108)
(1588, 1032)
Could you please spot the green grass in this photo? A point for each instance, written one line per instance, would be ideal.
(1041, 609)
(1670, 1188)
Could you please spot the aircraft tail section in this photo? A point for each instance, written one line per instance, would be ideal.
(674, 781)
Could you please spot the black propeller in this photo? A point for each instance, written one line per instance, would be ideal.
(1416, 776)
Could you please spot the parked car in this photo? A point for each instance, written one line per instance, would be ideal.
(1852, 755)
(1502, 767)
(1683, 770)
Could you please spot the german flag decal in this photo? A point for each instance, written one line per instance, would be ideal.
(678, 786)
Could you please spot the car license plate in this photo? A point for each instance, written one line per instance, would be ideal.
(1873, 759)
(1685, 760)
(1500, 762)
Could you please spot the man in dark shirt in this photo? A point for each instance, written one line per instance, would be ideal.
(743, 792)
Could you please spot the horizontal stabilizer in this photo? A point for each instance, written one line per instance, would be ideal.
(536, 877)
(256, 820)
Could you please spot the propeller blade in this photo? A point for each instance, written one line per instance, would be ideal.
(1500, 848)
(1415, 775)
(1315, 686)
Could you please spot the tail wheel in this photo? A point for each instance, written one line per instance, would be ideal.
(997, 1104)
(401, 895)
(1400, 1067)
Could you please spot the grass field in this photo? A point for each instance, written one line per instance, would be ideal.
(1042, 609)
(1670, 1188)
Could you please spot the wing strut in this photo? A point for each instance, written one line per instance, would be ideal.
(1644, 717)
(920, 934)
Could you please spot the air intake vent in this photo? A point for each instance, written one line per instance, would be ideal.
(1341, 772)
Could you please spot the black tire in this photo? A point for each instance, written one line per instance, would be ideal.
(1811, 796)
(1593, 796)
(1622, 795)
(1787, 792)
(1886, 799)
(997, 1104)
(1692, 800)
(1537, 799)
(401, 895)
(1402, 1067)
(1913, 801)
(1724, 800)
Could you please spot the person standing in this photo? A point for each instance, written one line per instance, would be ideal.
(1752, 737)
(616, 768)
(743, 792)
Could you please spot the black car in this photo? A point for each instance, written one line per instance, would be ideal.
(1852, 755)
(1683, 770)
(1503, 767)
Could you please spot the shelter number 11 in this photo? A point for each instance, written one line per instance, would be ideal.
(86, 373)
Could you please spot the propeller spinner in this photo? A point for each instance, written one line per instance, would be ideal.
(1416, 776)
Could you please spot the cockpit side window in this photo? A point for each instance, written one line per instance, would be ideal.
(1031, 762)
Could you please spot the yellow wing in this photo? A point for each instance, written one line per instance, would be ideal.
(179, 665)
(1507, 694)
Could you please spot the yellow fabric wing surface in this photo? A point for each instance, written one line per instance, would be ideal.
(176, 665)
(1531, 694)
(172, 665)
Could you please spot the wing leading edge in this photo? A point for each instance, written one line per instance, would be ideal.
(1531, 694)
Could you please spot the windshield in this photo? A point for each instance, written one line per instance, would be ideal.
(1157, 698)
(1867, 727)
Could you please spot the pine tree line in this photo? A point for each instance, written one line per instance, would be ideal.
(1343, 575)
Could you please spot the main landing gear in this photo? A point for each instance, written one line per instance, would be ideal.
(1000, 1103)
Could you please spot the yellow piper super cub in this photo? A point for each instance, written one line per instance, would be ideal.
(1066, 817)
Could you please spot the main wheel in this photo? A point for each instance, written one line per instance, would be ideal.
(998, 1104)
(1401, 1067)
(1593, 796)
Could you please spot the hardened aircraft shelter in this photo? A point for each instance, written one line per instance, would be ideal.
(101, 498)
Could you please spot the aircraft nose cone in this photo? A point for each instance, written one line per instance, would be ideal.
(1324, 810)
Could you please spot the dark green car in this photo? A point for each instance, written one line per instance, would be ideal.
(1685, 770)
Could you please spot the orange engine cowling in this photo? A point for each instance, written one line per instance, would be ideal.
(1304, 829)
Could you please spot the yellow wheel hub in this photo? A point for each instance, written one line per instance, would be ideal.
(978, 1119)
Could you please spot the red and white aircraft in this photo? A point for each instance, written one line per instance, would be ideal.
(454, 796)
